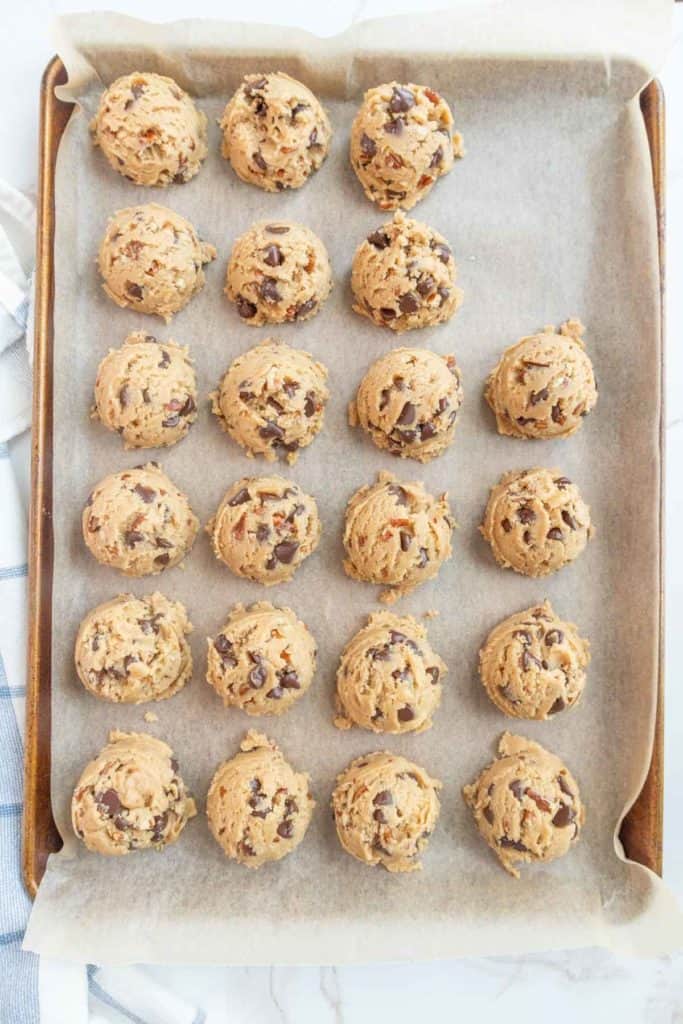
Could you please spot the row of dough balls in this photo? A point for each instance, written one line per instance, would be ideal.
(276, 134)
(526, 804)
(263, 660)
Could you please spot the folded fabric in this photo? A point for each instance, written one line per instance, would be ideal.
(17, 239)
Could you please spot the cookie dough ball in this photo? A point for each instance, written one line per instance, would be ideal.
(146, 391)
(408, 402)
(389, 678)
(263, 659)
(278, 271)
(258, 806)
(150, 130)
(403, 276)
(133, 649)
(533, 664)
(397, 535)
(264, 528)
(131, 797)
(402, 140)
(272, 400)
(526, 804)
(151, 260)
(138, 522)
(536, 521)
(544, 385)
(385, 808)
(275, 132)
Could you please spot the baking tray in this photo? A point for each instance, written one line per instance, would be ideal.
(641, 832)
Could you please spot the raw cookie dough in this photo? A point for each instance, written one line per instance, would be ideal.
(401, 141)
(408, 402)
(151, 260)
(385, 808)
(133, 649)
(263, 659)
(533, 664)
(258, 806)
(138, 522)
(396, 534)
(389, 678)
(278, 271)
(264, 528)
(275, 132)
(131, 797)
(403, 276)
(272, 400)
(526, 804)
(150, 130)
(536, 521)
(146, 391)
(544, 385)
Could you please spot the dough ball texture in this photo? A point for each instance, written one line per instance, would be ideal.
(138, 522)
(544, 385)
(278, 271)
(403, 276)
(536, 521)
(533, 664)
(389, 678)
(385, 808)
(402, 141)
(146, 391)
(131, 797)
(396, 534)
(258, 806)
(272, 400)
(264, 528)
(150, 130)
(134, 649)
(526, 804)
(151, 260)
(275, 132)
(408, 402)
(262, 660)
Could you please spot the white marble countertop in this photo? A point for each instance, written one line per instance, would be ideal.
(590, 985)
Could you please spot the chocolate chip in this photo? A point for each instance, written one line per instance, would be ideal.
(367, 146)
(188, 407)
(124, 396)
(395, 127)
(383, 799)
(425, 285)
(400, 494)
(268, 290)
(276, 693)
(313, 138)
(562, 482)
(110, 800)
(309, 405)
(568, 518)
(262, 532)
(506, 524)
(133, 289)
(259, 161)
(437, 158)
(240, 498)
(291, 807)
(133, 537)
(433, 671)
(174, 765)
(378, 815)
(524, 635)
(408, 413)
(513, 844)
(289, 680)
(290, 387)
(285, 551)
(408, 303)
(162, 559)
(556, 415)
(540, 801)
(529, 660)
(271, 430)
(554, 534)
(225, 649)
(285, 830)
(564, 816)
(526, 536)
(559, 705)
(442, 251)
(145, 396)
(305, 308)
(401, 100)
(161, 542)
(406, 540)
(526, 515)
(297, 108)
(554, 636)
(171, 421)
(386, 313)
(517, 788)
(405, 714)
(147, 494)
(488, 814)
(277, 229)
(379, 239)
(538, 396)
(257, 675)
(424, 558)
(273, 256)
(245, 308)
(165, 359)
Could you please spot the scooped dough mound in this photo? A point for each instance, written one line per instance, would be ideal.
(131, 797)
(151, 260)
(385, 808)
(275, 132)
(134, 649)
(526, 804)
(258, 806)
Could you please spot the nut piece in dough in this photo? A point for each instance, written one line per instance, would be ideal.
(389, 678)
(151, 260)
(536, 521)
(408, 402)
(533, 664)
(150, 130)
(543, 385)
(272, 400)
(278, 271)
(134, 649)
(258, 806)
(402, 140)
(264, 528)
(131, 797)
(396, 534)
(138, 522)
(275, 132)
(146, 391)
(403, 276)
(526, 804)
(385, 808)
(262, 660)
